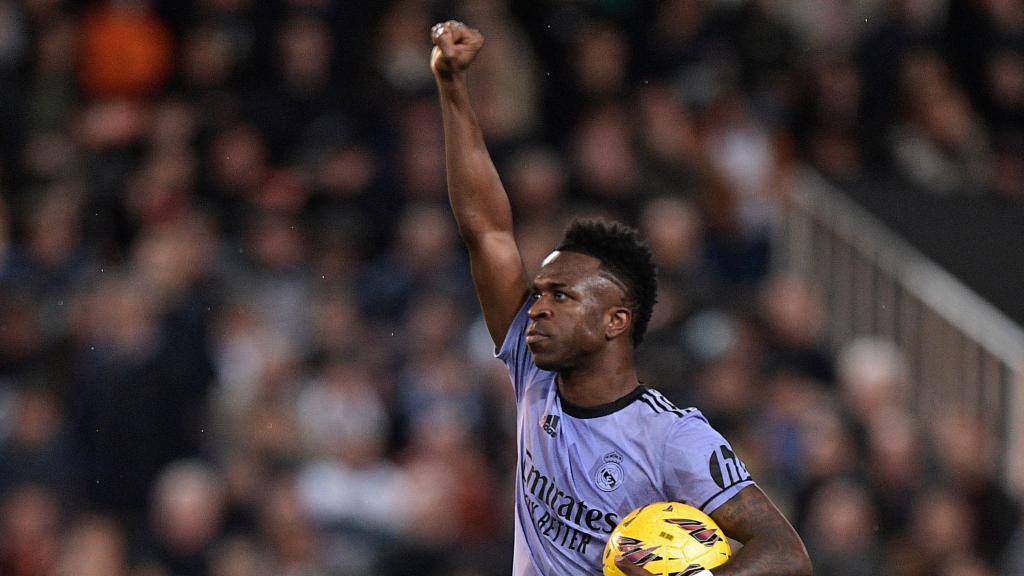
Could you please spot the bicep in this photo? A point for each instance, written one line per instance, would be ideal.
(748, 513)
(500, 280)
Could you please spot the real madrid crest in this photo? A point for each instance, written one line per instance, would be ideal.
(609, 474)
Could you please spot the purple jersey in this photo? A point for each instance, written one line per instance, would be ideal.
(582, 469)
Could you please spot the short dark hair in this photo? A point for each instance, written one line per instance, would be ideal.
(624, 255)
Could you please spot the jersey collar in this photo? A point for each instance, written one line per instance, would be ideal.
(602, 409)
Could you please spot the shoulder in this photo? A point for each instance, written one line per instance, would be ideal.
(653, 403)
(692, 425)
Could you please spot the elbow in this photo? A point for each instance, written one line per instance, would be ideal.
(475, 227)
(794, 559)
(798, 560)
(805, 568)
(801, 562)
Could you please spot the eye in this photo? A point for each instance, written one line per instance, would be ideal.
(535, 295)
(559, 295)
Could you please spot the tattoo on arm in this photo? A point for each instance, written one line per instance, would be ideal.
(771, 547)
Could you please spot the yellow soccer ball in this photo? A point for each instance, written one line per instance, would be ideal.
(667, 539)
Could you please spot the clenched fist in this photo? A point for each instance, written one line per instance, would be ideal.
(455, 47)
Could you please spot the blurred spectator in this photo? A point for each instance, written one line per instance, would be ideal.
(675, 231)
(350, 204)
(836, 24)
(727, 387)
(742, 152)
(303, 89)
(831, 458)
(420, 152)
(422, 259)
(349, 487)
(935, 534)
(967, 458)
(1008, 167)
(872, 376)
(600, 60)
(686, 285)
(450, 478)
(841, 538)
(899, 467)
(54, 257)
(247, 355)
(337, 324)
(671, 155)
(292, 542)
(275, 279)
(901, 27)
(605, 161)
(828, 121)
(236, 164)
(537, 179)
(36, 448)
(939, 142)
(140, 384)
(681, 34)
(789, 398)
(30, 519)
(126, 51)
(504, 76)
(95, 546)
(185, 517)
(238, 556)
(1005, 88)
(22, 340)
(440, 381)
(792, 313)
(52, 84)
(403, 59)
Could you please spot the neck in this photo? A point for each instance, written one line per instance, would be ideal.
(599, 382)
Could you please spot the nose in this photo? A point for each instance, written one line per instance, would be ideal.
(538, 310)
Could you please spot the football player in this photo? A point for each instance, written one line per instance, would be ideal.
(593, 443)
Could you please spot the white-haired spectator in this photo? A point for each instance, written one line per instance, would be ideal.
(872, 375)
(186, 516)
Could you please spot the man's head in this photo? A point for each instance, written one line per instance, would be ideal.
(598, 286)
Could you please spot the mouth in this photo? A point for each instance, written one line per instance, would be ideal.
(534, 336)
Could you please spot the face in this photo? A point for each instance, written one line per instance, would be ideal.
(577, 311)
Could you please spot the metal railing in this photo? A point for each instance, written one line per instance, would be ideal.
(964, 355)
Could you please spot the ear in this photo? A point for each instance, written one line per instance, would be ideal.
(620, 320)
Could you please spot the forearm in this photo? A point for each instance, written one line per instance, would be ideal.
(771, 547)
(768, 555)
(477, 196)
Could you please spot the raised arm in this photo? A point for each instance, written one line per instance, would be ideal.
(477, 196)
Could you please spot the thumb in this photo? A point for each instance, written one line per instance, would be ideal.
(628, 567)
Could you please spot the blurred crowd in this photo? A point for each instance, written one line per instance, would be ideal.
(237, 330)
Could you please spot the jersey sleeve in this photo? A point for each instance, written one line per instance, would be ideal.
(514, 352)
(700, 466)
